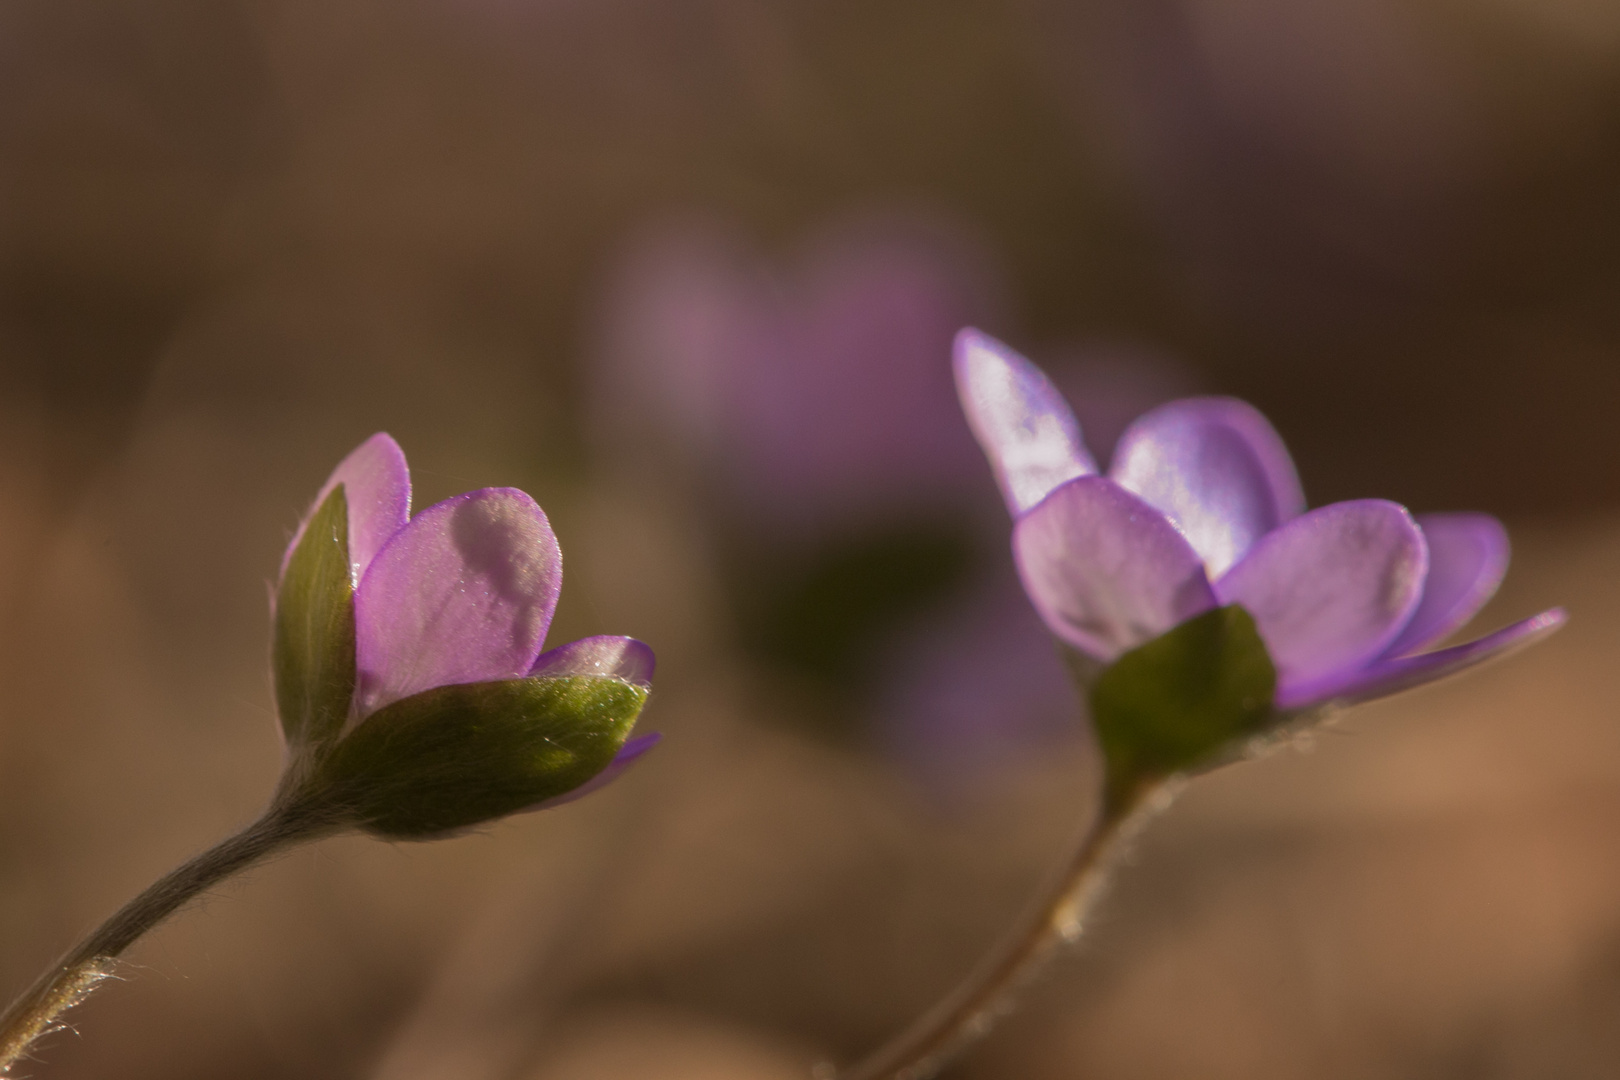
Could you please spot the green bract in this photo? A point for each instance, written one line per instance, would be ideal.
(455, 756)
(1176, 702)
(313, 651)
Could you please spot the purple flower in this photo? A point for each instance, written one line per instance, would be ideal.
(1201, 508)
(459, 596)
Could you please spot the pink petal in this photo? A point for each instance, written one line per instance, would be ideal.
(1216, 468)
(1388, 676)
(1468, 555)
(1331, 589)
(1026, 428)
(464, 593)
(627, 756)
(377, 484)
(1105, 570)
(615, 657)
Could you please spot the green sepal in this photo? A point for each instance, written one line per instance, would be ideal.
(456, 756)
(313, 652)
(1177, 702)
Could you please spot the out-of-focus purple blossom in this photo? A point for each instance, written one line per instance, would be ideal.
(811, 394)
(461, 593)
(979, 685)
(1201, 507)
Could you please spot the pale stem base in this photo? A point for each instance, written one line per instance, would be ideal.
(66, 982)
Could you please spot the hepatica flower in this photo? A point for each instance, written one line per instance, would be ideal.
(409, 675)
(1203, 599)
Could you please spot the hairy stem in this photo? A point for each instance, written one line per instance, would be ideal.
(968, 1012)
(71, 978)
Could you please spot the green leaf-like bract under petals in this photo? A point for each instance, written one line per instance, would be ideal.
(1176, 702)
(313, 653)
(453, 757)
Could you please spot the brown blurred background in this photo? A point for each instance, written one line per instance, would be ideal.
(237, 238)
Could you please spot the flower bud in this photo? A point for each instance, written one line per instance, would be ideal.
(409, 675)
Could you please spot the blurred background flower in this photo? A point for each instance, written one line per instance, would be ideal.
(237, 237)
(809, 397)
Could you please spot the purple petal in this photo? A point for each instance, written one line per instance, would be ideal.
(1389, 676)
(627, 756)
(377, 484)
(1105, 570)
(1026, 428)
(1331, 589)
(1468, 554)
(1216, 468)
(464, 593)
(615, 657)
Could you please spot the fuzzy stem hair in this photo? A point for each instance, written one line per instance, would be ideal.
(70, 980)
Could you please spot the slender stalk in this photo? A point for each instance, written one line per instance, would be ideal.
(71, 978)
(1056, 919)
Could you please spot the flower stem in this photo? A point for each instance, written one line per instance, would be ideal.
(968, 1012)
(70, 979)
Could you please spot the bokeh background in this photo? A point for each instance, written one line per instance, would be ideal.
(687, 270)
